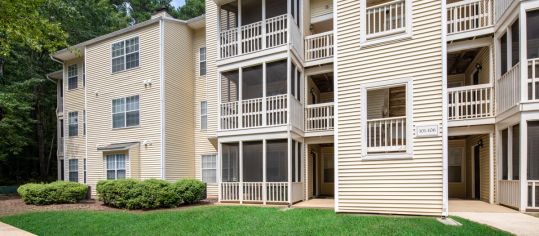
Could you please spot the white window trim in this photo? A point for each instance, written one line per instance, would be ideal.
(72, 171)
(408, 82)
(74, 76)
(200, 61)
(202, 168)
(124, 112)
(127, 166)
(69, 123)
(364, 41)
(124, 54)
(203, 115)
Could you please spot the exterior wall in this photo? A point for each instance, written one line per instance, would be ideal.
(74, 101)
(207, 90)
(404, 186)
(103, 86)
(179, 94)
(321, 7)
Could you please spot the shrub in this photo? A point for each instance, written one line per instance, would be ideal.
(190, 190)
(53, 193)
(149, 194)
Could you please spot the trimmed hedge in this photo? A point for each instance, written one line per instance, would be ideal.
(53, 193)
(150, 194)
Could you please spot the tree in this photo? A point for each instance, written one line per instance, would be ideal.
(141, 10)
(192, 8)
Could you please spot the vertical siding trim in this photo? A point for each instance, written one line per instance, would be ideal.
(162, 95)
(85, 113)
(336, 113)
(445, 191)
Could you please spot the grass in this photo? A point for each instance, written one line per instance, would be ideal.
(235, 220)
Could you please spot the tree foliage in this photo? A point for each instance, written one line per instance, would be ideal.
(192, 8)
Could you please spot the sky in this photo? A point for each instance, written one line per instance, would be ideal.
(177, 3)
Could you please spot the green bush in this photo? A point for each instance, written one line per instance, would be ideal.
(53, 193)
(149, 194)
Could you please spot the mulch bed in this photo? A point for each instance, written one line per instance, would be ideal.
(11, 205)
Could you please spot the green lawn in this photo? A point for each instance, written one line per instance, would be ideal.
(235, 220)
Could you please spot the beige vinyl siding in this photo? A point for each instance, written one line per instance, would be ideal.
(409, 186)
(321, 7)
(484, 161)
(179, 90)
(74, 101)
(206, 89)
(104, 86)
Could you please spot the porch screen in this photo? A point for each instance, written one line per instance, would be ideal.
(277, 161)
(276, 78)
(516, 152)
(532, 34)
(230, 162)
(533, 150)
(252, 82)
(505, 154)
(252, 162)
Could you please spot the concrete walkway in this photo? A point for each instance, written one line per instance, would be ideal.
(322, 203)
(8, 230)
(496, 216)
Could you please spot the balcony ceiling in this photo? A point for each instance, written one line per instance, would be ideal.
(458, 62)
(324, 82)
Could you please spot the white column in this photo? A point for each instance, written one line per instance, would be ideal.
(523, 57)
(263, 33)
(219, 169)
(510, 153)
(239, 28)
(241, 172)
(264, 173)
(523, 163)
(306, 169)
(289, 147)
(240, 98)
(264, 97)
(491, 168)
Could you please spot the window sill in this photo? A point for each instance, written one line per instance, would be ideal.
(120, 71)
(130, 127)
(387, 157)
(377, 41)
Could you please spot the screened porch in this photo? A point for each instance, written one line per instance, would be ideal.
(262, 171)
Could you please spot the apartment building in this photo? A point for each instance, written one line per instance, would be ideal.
(384, 106)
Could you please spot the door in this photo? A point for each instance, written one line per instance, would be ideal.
(477, 174)
(314, 176)
(327, 169)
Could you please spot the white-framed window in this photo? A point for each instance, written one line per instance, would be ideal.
(84, 122)
(125, 54)
(455, 159)
(209, 168)
(72, 77)
(202, 61)
(115, 164)
(203, 115)
(74, 170)
(85, 172)
(387, 118)
(83, 75)
(385, 20)
(125, 112)
(73, 123)
(296, 82)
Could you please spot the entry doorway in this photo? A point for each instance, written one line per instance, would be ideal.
(476, 172)
(321, 164)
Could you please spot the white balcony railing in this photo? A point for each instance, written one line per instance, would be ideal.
(319, 46)
(533, 194)
(533, 79)
(510, 193)
(319, 117)
(386, 134)
(252, 112)
(508, 89)
(500, 6)
(271, 32)
(385, 19)
(471, 102)
(254, 191)
(468, 15)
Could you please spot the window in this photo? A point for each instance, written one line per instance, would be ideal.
(252, 161)
(202, 61)
(125, 112)
(84, 122)
(387, 109)
(296, 161)
(455, 156)
(294, 10)
(230, 161)
(510, 145)
(385, 20)
(74, 170)
(85, 176)
(116, 166)
(209, 168)
(277, 160)
(73, 123)
(295, 82)
(329, 174)
(204, 115)
(72, 77)
(125, 54)
(83, 75)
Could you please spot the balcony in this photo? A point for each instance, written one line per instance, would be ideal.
(471, 102)
(508, 92)
(319, 47)
(248, 27)
(319, 117)
(386, 135)
(469, 16)
(385, 19)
